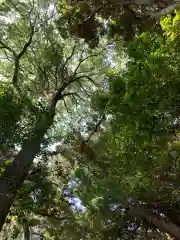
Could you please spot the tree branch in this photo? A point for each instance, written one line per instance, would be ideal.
(88, 77)
(83, 89)
(96, 127)
(84, 59)
(164, 11)
(68, 58)
(4, 46)
(17, 61)
(157, 221)
(70, 79)
(17, 58)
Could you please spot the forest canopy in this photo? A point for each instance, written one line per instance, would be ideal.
(89, 120)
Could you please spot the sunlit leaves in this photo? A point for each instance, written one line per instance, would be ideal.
(170, 25)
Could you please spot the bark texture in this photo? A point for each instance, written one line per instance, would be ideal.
(158, 222)
(17, 171)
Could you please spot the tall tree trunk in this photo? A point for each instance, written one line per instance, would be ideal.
(16, 172)
(158, 221)
(26, 231)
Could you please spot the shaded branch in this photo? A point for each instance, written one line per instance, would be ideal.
(96, 127)
(85, 147)
(59, 94)
(68, 94)
(70, 79)
(84, 59)
(157, 221)
(17, 60)
(88, 77)
(67, 60)
(67, 109)
(4, 46)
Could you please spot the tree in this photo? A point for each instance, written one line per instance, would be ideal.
(91, 20)
(44, 72)
(116, 129)
(132, 181)
(41, 207)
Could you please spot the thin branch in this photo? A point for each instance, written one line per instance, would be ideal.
(80, 61)
(7, 57)
(68, 94)
(79, 97)
(101, 120)
(84, 59)
(76, 103)
(88, 95)
(37, 65)
(67, 109)
(17, 58)
(68, 58)
(4, 46)
(59, 94)
(72, 94)
(27, 44)
(88, 77)
(88, 71)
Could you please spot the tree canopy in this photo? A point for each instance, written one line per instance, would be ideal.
(89, 127)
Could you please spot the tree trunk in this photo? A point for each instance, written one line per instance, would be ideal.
(158, 222)
(26, 231)
(16, 172)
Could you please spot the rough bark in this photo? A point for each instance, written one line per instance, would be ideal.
(158, 222)
(16, 172)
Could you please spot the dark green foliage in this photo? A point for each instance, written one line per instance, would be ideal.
(11, 108)
(82, 19)
(114, 142)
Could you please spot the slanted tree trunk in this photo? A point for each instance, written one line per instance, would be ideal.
(17, 171)
(26, 231)
(158, 221)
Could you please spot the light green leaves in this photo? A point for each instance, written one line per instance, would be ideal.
(170, 25)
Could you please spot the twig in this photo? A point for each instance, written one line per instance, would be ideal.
(96, 127)
(59, 94)
(68, 58)
(8, 48)
(67, 109)
(83, 88)
(84, 59)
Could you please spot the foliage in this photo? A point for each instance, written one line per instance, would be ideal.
(137, 158)
(91, 20)
(10, 110)
(170, 25)
(100, 121)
